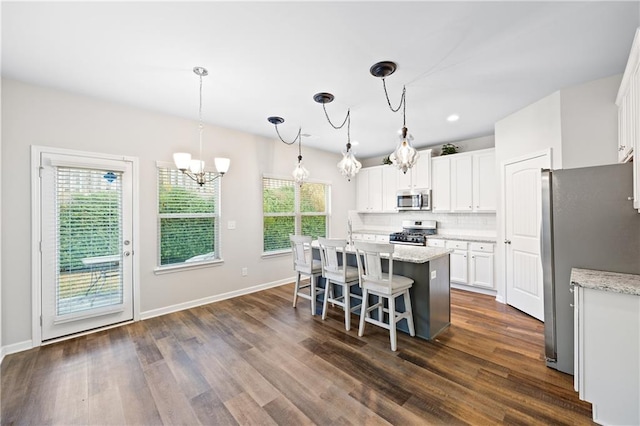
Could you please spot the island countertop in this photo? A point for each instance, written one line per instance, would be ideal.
(407, 253)
(606, 281)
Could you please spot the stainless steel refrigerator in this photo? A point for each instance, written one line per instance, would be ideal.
(588, 222)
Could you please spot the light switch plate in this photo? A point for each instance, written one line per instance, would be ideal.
(433, 275)
(231, 224)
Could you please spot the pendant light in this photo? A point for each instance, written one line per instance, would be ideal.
(300, 173)
(405, 155)
(194, 168)
(349, 166)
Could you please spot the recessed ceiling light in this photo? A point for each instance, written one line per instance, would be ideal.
(453, 117)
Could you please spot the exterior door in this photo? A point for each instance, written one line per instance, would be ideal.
(523, 213)
(86, 248)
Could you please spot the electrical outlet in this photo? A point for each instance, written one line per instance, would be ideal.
(231, 224)
(245, 272)
(433, 275)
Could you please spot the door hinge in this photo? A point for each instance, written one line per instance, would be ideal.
(40, 320)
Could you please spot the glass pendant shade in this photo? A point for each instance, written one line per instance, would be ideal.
(222, 164)
(182, 160)
(300, 173)
(349, 166)
(405, 156)
(196, 166)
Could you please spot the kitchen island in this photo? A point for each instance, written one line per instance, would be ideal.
(430, 293)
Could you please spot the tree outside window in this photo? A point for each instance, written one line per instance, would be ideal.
(292, 209)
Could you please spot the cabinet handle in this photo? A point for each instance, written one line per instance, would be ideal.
(507, 241)
(630, 198)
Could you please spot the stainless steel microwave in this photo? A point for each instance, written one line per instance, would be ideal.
(414, 200)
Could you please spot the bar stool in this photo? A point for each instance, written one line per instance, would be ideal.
(338, 273)
(304, 264)
(382, 285)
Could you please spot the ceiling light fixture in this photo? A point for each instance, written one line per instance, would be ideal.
(300, 173)
(453, 117)
(405, 156)
(195, 168)
(349, 165)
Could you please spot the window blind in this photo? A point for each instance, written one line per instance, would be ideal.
(188, 218)
(88, 239)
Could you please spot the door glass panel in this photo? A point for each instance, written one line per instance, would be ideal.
(89, 239)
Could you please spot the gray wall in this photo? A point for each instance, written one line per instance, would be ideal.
(39, 116)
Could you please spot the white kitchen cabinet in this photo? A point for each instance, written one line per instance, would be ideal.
(628, 101)
(369, 189)
(458, 262)
(419, 176)
(607, 352)
(464, 182)
(485, 182)
(441, 184)
(389, 188)
(481, 265)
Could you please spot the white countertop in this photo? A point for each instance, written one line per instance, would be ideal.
(456, 237)
(411, 254)
(606, 281)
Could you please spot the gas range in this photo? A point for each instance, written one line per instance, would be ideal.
(414, 232)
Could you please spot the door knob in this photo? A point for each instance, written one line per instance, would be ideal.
(507, 241)
(127, 253)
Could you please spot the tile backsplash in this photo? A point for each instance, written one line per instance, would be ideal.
(472, 224)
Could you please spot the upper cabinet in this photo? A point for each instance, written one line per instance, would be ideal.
(376, 189)
(464, 182)
(419, 176)
(628, 102)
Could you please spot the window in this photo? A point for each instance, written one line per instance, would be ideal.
(188, 219)
(292, 209)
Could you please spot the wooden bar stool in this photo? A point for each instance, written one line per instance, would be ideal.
(382, 285)
(338, 273)
(304, 264)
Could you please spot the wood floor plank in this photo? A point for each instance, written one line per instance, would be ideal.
(256, 360)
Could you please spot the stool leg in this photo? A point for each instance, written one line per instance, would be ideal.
(347, 306)
(363, 311)
(296, 289)
(409, 311)
(312, 292)
(392, 322)
(327, 291)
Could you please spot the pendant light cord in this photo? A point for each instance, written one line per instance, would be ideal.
(347, 121)
(297, 138)
(403, 102)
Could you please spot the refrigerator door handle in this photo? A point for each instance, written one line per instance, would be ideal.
(547, 257)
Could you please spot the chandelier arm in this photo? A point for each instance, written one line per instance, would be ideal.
(330, 122)
(294, 140)
(402, 98)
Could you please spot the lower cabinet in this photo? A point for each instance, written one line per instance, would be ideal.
(607, 353)
(472, 264)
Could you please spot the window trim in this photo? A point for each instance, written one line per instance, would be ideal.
(297, 215)
(177, 267)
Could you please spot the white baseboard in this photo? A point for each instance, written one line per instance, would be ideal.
(205, 301)
(474, 289)
(16, 347)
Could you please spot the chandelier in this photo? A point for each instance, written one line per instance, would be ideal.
(349, 165)
(405, 156)
(300, 173)
(194, 168)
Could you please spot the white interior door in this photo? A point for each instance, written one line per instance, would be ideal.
(523, 213)
(86, 243)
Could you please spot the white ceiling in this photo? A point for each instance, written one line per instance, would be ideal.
(480, 60)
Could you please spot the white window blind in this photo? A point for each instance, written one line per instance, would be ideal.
(292, 209)
(88, 239)
(188, 218)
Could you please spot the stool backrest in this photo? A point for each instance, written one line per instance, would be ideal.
(302, 256)
(329, 255)
(369, 257)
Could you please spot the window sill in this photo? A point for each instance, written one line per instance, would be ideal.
(161, 270)
(278, 253)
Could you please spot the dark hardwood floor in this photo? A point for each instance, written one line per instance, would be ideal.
(254, 360)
